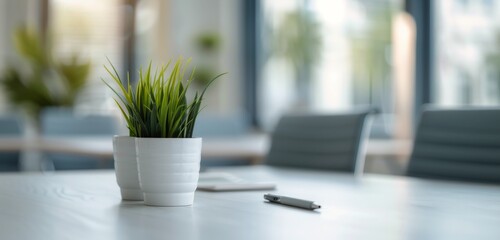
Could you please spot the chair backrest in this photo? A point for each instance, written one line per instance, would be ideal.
(219, 125)
(326, 142)
(10, 126)
(459, 144)
(63, 122)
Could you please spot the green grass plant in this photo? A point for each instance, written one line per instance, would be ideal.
(157, 106)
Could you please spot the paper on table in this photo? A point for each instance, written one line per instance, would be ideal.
(219, 181)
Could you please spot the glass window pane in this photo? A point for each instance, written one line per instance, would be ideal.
(326, 55)
(92, 29)
(467, 53)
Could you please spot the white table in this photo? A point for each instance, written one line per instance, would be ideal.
(87, 205)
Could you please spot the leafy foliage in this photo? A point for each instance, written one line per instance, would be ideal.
(204, 75)
(48, 81)
(208, 46)
(157, 107)
(298, 39)
(208, 41)
(370, 48)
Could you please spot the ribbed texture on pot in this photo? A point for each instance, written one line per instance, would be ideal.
(168, 169)
(127, 175)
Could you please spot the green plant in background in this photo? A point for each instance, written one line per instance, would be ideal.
(157, 107)
(208, 44)
(204, 74)
(43, 81)
(370, 51)
(298, 39)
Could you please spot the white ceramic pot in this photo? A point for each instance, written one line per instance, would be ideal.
(127, 175)
(168, 170)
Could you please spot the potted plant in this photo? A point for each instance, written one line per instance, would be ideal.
(42, 79)
(162, 120)
(124, 153)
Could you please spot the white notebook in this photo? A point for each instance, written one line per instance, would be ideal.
(219, 181)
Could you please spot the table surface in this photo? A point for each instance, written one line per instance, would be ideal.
(87, 205)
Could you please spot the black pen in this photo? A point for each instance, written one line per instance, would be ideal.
(294, 202)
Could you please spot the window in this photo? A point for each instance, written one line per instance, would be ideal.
(93, 29)
(467, 53)
(326, 55)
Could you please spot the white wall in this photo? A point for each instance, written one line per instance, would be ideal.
(189, 18)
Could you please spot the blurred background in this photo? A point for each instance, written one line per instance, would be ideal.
(282, 56)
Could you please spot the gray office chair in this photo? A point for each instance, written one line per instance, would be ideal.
(219, 125)
(324, 142)
(462, 144)
(10, 126)
(57, 122)
(210, 125)
(63, 122)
